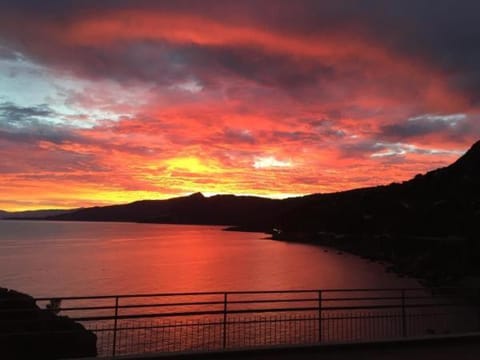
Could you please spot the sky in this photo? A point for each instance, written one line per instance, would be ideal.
(105, 102)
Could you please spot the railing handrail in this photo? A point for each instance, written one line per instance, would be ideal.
(226, 303)
(234, 292)
(251, 311)
(107, 313)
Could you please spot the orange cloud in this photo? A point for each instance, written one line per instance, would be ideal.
(332, 47)
(178, 103)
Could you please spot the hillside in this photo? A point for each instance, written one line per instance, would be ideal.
(440, 203)
(32, 214)
(254, 212)
(426, 228)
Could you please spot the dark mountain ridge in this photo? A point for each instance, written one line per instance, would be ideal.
(228, 210)
(426, 227)
(32, 214)
(441, 202)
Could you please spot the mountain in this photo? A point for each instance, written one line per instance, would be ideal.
(442, 202)
(425, 228)
(32, 214)
(468, 165)
(254, 212)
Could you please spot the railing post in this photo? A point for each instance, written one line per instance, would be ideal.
(477, 301)
(225, 320)
(319, 316)
(404, 315)
(114, 346)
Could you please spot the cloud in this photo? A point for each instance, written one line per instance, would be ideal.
(34, 123)
(191, 86)
(270, 162)
(128, 99)
(399, 149)
(459, 127)
(236, 135)
(8, 54)
(170, 46)
(11, 113)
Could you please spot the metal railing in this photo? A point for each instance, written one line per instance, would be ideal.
(171, 322)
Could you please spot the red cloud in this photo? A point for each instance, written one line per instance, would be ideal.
(205, 104)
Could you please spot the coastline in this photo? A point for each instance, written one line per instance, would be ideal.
(426, 264)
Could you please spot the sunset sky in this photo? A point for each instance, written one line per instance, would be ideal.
(113, 101)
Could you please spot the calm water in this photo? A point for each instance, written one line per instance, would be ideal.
(81, 258)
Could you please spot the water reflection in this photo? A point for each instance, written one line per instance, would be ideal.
(81, 258)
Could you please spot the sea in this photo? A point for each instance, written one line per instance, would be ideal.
(57, 258)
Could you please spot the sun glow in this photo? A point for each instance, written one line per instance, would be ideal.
(114, 103)
(192, 164)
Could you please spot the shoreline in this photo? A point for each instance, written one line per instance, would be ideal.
(421, 263)
(310, 239)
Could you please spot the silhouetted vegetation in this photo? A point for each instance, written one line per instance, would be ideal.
(28, 332)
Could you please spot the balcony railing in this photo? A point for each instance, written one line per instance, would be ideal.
(172, 322)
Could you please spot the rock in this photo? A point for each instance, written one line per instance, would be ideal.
(26, 331)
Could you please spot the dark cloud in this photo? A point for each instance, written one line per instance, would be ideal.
(8, 54)
(12, 113)
(25, 130)
(236, 136)
(31, 124)
(320, 132)
(147, 61)
(60, 161)
(444, 34)
(300, 136)
(166, 64)
(326, 128)
(458, 127)
(410, 129)
(21, 153)
(390, 152)
(359, 149)
(275, 70)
